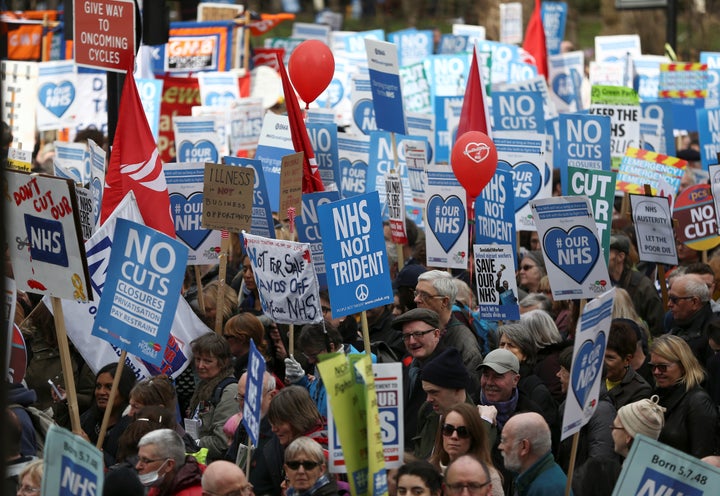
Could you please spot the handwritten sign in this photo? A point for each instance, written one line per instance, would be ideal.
(291, 175)
(285, 278)
(227, 197)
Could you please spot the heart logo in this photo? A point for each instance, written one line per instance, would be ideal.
(586, 367)
(57, 98)
(202, 151)
(575, 252)
(187, 215)
(446, 219)
(564, 89)
(526, 181)
(477, 152)
(215, 99)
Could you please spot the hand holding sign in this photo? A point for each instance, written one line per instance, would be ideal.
(474, 161)
(311, 68)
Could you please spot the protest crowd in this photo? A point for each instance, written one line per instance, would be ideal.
(539, 354)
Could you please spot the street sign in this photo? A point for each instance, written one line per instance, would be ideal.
(104, 34)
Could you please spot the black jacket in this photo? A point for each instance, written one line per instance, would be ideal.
(632, 388)
(645, 298)
(690, 420)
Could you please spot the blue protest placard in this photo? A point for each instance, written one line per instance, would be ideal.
(275, 142)
(554, 17)
(353, 151)
(253, 393)
(448, 74)
(144, 279)
(656, 127)
(324, 139)
(655, 468)
(384, 68)
(565, 80)
(453, 43)
(584, 143)
(413, 45)
(355, 255)
(150, 91)
(518, 111)
(363, 108)
(308, 229)
(72, 465)
(262, 220)
(709, 130)
(447, 116)
(494, 212)
(569, 241)
(588, 359)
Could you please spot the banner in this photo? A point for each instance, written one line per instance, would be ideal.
(570, 244)
(496, 284)
(285, 278)
(640, 167)
(588, 359)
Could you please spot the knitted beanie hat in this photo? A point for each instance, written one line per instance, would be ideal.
(643, 417)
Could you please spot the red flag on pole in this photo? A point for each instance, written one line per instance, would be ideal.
(301, 141)
(135, 165)
(474, 115)
(534, 42)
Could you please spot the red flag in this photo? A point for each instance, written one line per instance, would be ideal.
(300, 138)
(534, 42)
(474, 115)
(136, 166)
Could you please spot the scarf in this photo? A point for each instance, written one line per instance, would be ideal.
(504, 408)
(204, 392)
(322, 481)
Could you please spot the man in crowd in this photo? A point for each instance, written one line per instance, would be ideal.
(222, 478)
(644, 296)
(436, 291)
(526, 448)
(690, 313)
(444, 380)
(467, 472)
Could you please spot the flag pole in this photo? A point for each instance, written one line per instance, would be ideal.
(199, 287)
(66, 364)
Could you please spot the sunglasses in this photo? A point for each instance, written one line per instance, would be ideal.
(462, 432)
(661, 367)
(306, 464)
(527, 267)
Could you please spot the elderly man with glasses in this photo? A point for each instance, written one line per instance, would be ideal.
(467, 473)
(436, 291)
(164, 468)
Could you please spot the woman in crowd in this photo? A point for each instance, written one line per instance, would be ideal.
(690, 416)
(548, 344)
(91, 420)
(530, 271)
(248, 294)
(146, 419)
(31, 479)
(306, 470)
(419, 478)
(465, 432)
(239, 330)
(213, 402)
(210, 299)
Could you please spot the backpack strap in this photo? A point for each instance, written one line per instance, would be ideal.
(217, 394)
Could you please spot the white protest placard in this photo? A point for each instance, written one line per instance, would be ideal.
(19, 96)
(57, 95)
(446, 217)
(97, 176)
(74, 158)
(416, 162)
(396, 207)
(655, 468)
(71, 465)
(43, 231)
(20, 159)
(654, 229)
(245, 122)
(218, 89)
(587, 363)
(715, 188)
(511, 22)
(571, 246)
(496, 283)
(197, 140)
(286, 279)
(85, 207)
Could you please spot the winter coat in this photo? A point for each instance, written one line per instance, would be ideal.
(690, 420)
(186, 482)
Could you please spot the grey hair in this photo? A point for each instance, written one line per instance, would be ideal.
(269, 382)
(533, 299)
(537, 433)
(305, 446)
(518, 333)
(168, 444)
(472, 457)
(442, 282)
(694, 286)
(464, 293)
(541, 327)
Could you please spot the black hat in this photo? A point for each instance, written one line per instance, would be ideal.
(408, 276)
(446, 370)
(689, 154)
(620, 242)
(430, 317)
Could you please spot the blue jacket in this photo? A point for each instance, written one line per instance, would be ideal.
(543, 478)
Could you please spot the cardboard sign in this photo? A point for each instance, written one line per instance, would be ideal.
(655, 468)
(496, 284)
(44, 235)
(285, 278)
(571, 247)
(308, 229)
(254, 393)
(588, 359)
(696, 218)
(71, 465)
(653, 229)
(263, 223)
(446, 217)
(387, 96)
(104, 34)
(291, 176)
(355, 255)
(185, 187)
(227, 197)
(144, 277)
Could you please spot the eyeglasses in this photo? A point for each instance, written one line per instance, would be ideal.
(306, 464)
(674, 299)
(462, 432)
(146, 461)
(613, 427)
(28, 490)
(662, 367)
(527, 267)
(426, 296)
(415, 334)
(472, 487)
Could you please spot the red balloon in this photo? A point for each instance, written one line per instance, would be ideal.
(311, 68)
(474, 161)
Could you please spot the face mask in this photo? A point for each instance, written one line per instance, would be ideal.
(152, 478)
